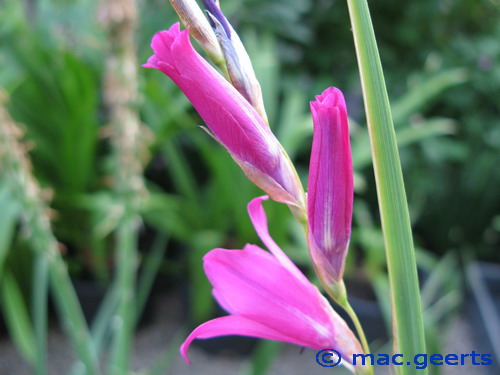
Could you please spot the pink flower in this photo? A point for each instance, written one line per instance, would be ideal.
(331, 188)
(268, 297)
(233, 122)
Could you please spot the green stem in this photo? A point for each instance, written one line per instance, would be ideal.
(126, 276)
(150, 267)
(40, 297)
(72, 315)
(361, 333)
(407, 312)
(338, 294)
(129, 145)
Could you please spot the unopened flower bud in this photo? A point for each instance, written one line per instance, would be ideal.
(238, 62)
(192, 17)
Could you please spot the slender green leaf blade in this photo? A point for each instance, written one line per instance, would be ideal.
(405, 296)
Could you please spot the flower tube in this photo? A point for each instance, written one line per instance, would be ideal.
(233, 122)
(268, 297)
(331, 187)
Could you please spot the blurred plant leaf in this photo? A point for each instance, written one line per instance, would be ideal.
(164, 213)
(262, 50)
(67, 95)
(201, 298)
(8, 220)
(105, 208)
(405, 136)
(17, 317)
(426, 91)
(262, 357)
(295, 124)
(149, 270)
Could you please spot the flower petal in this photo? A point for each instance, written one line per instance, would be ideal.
(232, 325)
(253, 283)
(259, 221)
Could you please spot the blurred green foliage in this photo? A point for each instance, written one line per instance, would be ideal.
(441, 64)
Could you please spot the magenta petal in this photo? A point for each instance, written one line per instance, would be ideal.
(231, 325)
(331, 187)
(259, 221)
(253, 283)
(230, 117)
(266, 300)
(269, 298)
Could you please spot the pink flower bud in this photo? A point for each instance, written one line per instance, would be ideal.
(331, 186)
(233, 122)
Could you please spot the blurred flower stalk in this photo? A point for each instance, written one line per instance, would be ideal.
(16, 167)
(119, 19)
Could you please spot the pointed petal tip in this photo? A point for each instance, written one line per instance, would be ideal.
(175, 28)
(255, 203)
(152, 63)
(183, 351)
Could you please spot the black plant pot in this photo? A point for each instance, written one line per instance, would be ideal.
(484, 298)
(3, 327)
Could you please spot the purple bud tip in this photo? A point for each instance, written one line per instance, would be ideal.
(212, 7)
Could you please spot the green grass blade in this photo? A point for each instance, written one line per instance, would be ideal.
(125, 281)
(40, 297)
(151, 266)
(405, 296)
(8, 221)
(17, 318)
(102, 323)
(430, 128)
(15, 166)
(166, 360)
(263, 357)
(71, 314)
(415, 99)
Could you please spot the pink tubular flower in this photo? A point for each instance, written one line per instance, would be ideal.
(331, 188)
(233, 122)
(268, 297)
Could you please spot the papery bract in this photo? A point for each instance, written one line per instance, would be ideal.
(238, 62)
(331, 187)
(192, 16)
(268, 297)
(231, 119)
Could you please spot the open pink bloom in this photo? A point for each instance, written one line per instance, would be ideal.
(268, 297)
(230, 118)
(331, 188)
